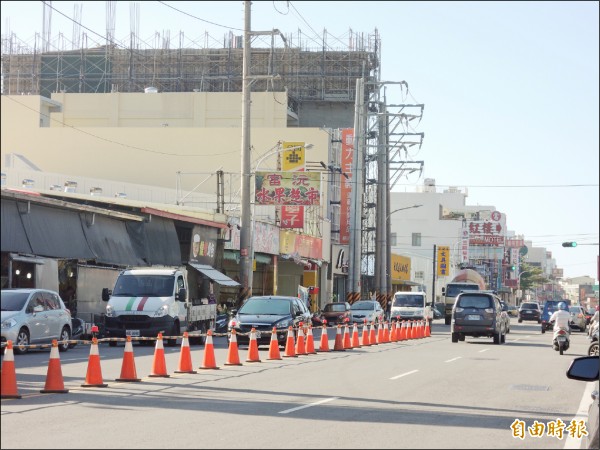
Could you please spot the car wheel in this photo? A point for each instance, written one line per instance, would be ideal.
(593, 349)
(447, 320)
(520, 320)
(503, 338)
(461, 337)
(65, 336)
(22, 339)
(539, 321)
(175, 332)
(497, 338)
(543, 329)
(454, 337)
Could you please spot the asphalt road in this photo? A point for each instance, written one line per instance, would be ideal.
(422, 393)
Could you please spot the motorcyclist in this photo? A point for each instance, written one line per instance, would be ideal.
(561, 318)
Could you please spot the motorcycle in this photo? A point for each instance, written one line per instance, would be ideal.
(561, 339)
(593, 348)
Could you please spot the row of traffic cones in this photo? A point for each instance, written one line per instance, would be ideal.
(55, 384)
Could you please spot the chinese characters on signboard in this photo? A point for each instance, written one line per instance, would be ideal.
(288, 188)
(443, 260)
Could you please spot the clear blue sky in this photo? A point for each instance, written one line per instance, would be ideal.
(510, 91)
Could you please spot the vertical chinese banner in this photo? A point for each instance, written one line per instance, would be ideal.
(346, 187)
(293, 160)
(464, 247)
(443, 261)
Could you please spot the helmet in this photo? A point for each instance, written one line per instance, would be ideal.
(562, 306)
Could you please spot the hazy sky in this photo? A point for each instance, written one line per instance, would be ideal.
(510, 90)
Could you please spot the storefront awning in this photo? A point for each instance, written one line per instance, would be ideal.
(214, 275)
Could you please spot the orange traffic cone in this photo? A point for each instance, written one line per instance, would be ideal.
(159, 366)
(300, 344)
(393, 332)
(355, 338)
(338, 346)
(185, 357)
(386, 332)
(365, 335)
(372, 335)
(289, 345)
(427, 329)
(54, 378)
(421, 329)
(93, 378)
(8, 384)
(310, 342)
(233, 356)
(274, 346)
(209, 362)
(347, 343)
(128, 372)
(379, 326)
(253, 348)
(403, 336)
(324, 342)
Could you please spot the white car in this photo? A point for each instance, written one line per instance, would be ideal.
(370, 310)
(34, 316)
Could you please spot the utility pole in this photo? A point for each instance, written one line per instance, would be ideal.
(246, 274)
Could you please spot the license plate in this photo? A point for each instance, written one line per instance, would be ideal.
(561, 338)
(132, 333)
(473, 317)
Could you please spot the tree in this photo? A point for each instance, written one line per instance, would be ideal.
(531, 276)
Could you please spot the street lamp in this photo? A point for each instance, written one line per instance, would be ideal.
(400, 209)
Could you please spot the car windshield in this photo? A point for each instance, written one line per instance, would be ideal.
(529, 306)
(474, 301)
(452, 290)
(267, 306)
(334, 307)
(13, 301)
(408, 300)
(144, 286)
(370, 306)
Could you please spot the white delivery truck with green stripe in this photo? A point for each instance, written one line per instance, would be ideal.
(148, 301)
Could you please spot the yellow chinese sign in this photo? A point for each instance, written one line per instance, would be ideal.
(443, 260)
(293, 156)
(400, 269)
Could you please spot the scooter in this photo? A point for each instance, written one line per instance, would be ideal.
(561, 339)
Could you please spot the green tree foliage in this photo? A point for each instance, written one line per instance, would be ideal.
(532, 276)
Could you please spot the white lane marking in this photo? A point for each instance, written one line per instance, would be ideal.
(309, 405)
(582, 414)
(403, 375)
(453, 359)
(484, 350)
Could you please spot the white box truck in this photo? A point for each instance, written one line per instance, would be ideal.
(148, 301)
(409, 305)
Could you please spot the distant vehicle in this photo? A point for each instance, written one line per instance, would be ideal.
(549, 307)
(513, 311)
(410, 305)
(34, 316)
(465, 279)
(506, 316)
(530, 311)
(585, 368)
(578, 318)
(337, 312)
(478, 314)
(263, 313)
(370, 310)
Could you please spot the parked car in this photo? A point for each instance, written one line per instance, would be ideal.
(549, 307)
(589, 313)
(370, 310)
(530, 311)
(336, 312)
(478, 314)
(263, 313)
(585, 368)
(578, 318)
(34, 316)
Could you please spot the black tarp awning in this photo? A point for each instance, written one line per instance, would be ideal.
(214, 275)
(156, 241)
(53, 232)
(13, 237)
(109, 240)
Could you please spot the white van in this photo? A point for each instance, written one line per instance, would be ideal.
(408, 305)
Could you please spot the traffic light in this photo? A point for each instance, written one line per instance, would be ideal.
(569, 244)
(512, 267)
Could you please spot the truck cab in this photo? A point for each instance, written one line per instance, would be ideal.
(450, 291)
(408, 305)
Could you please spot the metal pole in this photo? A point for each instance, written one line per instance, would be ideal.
(246, 237)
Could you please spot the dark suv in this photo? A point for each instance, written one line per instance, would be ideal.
(530, 311)
(478, 314)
